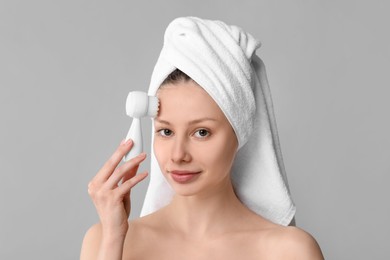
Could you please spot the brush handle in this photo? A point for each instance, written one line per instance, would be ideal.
(135, 134)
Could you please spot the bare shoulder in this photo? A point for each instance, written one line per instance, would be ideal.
(142, 233)
(294, 243)
(146, 228)
(91, 242)
(138, 228)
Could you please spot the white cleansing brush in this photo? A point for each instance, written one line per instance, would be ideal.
(138, 105)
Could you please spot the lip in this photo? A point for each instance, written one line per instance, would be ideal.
(181, 176)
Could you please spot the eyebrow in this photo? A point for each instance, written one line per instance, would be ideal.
(196, 121)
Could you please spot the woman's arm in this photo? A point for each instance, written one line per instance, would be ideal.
(97, 246)
(112, 201)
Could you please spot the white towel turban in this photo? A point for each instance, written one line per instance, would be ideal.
(222, 60)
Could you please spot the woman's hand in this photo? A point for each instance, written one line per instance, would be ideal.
(112, 199)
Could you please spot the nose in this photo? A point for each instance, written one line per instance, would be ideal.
(180, 151)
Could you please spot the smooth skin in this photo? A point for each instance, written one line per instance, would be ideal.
(205, 219)
(112, 201)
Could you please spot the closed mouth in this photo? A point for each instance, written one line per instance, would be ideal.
(184, 176)
(179, 172)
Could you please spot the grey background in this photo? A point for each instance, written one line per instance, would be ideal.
(66, 68)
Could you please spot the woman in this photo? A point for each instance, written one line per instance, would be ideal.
(214, 137)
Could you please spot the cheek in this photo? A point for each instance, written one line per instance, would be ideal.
(159, 152)
(220, 155)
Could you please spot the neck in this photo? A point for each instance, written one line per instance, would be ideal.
(210, 212)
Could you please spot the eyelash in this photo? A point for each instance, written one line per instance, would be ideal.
(161, 133)
(202, 129)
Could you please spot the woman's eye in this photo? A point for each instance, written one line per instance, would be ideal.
(202, 133)
(165, 132)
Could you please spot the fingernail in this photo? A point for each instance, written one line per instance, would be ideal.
(123, 141)
(129, 141)
(142, 155)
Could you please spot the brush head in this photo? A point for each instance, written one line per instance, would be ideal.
(139, 104)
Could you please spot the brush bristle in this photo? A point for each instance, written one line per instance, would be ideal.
(153, 106)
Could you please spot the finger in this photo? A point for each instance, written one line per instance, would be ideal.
(128, 170)
(129, 184)
(130, 174)
(127, 204)
(109, 167)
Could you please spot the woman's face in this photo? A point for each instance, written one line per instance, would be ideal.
(194, 143)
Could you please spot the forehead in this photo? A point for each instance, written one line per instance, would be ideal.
(187, 100)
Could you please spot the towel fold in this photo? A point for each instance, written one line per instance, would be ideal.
(222, 60)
